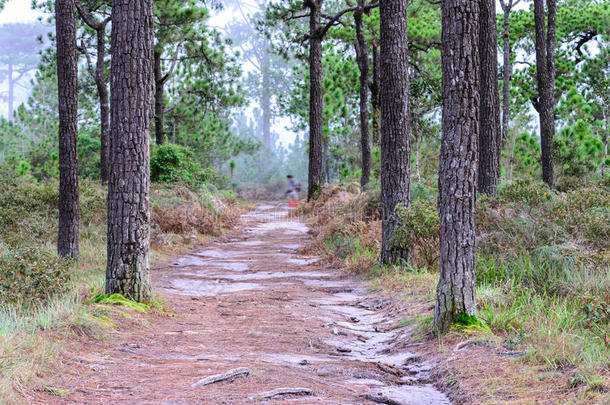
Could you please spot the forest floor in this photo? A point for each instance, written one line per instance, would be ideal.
(251, 301)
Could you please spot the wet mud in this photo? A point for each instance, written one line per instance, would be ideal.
(305, 333)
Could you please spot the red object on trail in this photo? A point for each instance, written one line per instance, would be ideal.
(293, 204)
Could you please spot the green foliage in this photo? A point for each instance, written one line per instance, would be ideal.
(24, 207)
(527, 153)
(342, 246)
(171, 163)
(576, 150)
(24, 168)
(31, 276)
(525, 191)
(596, 312)
(418, 230)
(88, 156)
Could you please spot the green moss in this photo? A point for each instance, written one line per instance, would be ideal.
(117, 299)
(467, 321)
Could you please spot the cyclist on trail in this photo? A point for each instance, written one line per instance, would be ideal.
(293, 188)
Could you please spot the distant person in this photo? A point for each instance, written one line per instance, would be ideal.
(293, 188)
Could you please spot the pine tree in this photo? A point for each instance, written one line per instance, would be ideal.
(489, 134)
(455, 295)
(101, 82)
(395, 123)
(67, 79)
(132, 46)
(545, 74)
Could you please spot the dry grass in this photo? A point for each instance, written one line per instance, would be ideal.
(30, 338)
(181, 214)
(346, 226)
(538, 264)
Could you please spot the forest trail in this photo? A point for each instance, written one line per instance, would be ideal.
(249, 300)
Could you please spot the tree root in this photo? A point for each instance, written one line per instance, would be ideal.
(280, 392)
(228, 376)
(380, 399)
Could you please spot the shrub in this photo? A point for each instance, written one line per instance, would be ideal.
(525, 191)
(27, 210)
(170, 163)
(576, 151)
(418, 230)
(31, 276)
(527, 153)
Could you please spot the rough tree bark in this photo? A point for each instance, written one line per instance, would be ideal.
(159, 89)
(507, 67)
(67, 80)
(489, 134)
(374, 86)
(458, 161)
(128, 265)
(160, 81)
(545, 75)
(394, 103)
(101, 85)
(605, 140)
(317, 31)
(315, 99)
(362, 58)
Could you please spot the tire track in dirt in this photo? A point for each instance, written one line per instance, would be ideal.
(250, 302)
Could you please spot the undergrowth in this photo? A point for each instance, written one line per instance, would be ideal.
(543, 265)
(40, 292)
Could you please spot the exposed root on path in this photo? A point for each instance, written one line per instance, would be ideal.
(228, 376)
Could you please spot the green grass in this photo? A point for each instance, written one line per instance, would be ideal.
(543, 270)
(28, 217)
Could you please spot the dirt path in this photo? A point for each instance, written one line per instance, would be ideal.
(250, 301)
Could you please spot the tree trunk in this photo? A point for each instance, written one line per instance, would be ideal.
(545, 75)
(458, 161)
(507, 69)
(375, 96)
(67, 83)
(394, 103)
(363, 65)
(266, 100)
(159, 89)
(605, 141)
(132, 85)
(315, 101)
(417, 140)
(102, 91)
(100, 81)
(11, 92)
(489, 139)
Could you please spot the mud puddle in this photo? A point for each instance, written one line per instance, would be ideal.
(201, 288)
